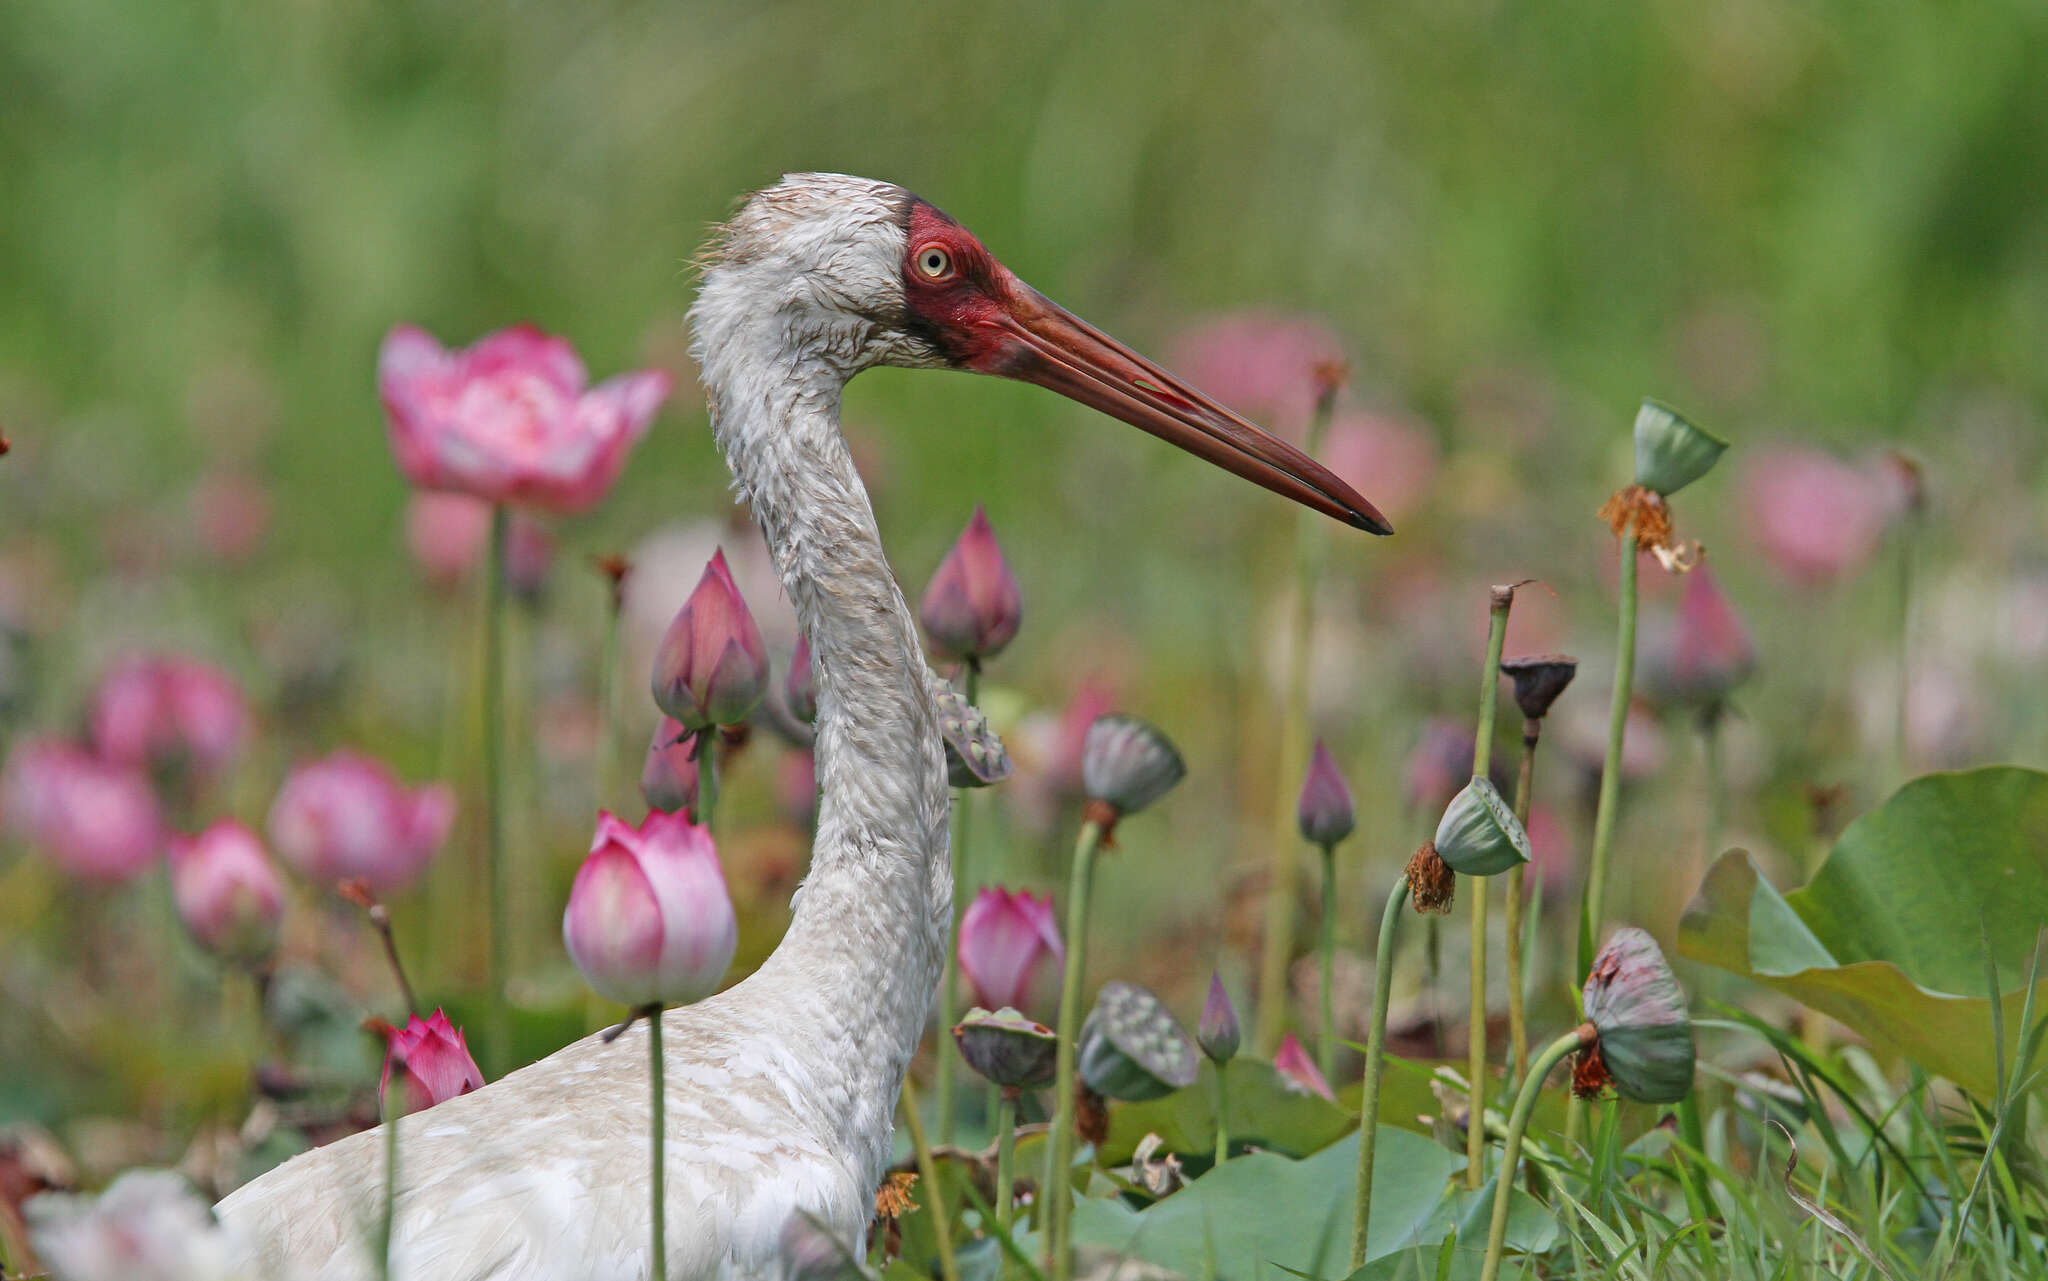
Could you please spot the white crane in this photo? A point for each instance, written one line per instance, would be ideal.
(781, 1089)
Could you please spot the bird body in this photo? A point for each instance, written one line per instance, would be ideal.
(780, 1090)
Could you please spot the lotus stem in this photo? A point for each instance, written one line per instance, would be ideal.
(1503, 599)
(1375, 1061)
(1326, 949)
(390, 1208)
(963, 892)
(1716, 781)
(1518, 1027)
(928, 1174)
(498, 965)
(1006, 1151)
(607, 700)
(1511, 1152)
(707, 775)
(1061, 1151)
(1901, 712)
(1223, 1112)
(1610, 769)
(657, 1134)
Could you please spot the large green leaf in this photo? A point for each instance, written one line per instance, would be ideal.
(1265, 1111)
(1890, 937)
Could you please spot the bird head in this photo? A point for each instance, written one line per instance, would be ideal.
(858, 273)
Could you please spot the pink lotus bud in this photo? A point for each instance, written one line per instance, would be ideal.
(1218, 1033)
(668, 781)
(95, 819)
(1298, 1070)
(227, 893)
(162, 710)
(1712, 652)
(711, 668)
(447, 534)
(649, 920)
(972, 607)
(509, 420)
(799, 693)
(1010, 951)
(1325, 810)
(434, 1060)
(1815, 516)
(347, 817)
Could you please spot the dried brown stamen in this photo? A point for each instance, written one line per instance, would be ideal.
(1641, 510)
(1431, 883)
(1590, 1077)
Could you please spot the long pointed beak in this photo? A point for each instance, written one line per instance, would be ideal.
(1058, 350)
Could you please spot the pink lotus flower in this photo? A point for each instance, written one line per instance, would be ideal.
(347, 817)
(1815, 516)
(1325, 810)
(446, 533)
(509, 420)
(972, 608)
(668, 779)
(433, 1056)
(649, 920)
(711, 668)
(1266, 364)
(227, 892)
(163, 710)
(1298, 1071)
(1010, 951)
(95, 819)
(1711, 652)
(1392, 458)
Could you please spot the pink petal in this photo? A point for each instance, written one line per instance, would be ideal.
(613, 927)
(525, 348)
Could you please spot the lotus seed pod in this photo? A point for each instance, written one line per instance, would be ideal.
(1218, 1033)
(1479, 835)
(1007, 1048)
(1127, 764)
(1132, 1048)
(1633, 1000)
(974, 755)
(1671, 453)
(1539, 679)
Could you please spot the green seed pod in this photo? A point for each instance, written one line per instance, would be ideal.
(1133, 1049)
(1479, 835)
(1007, 1048)
(1671, 453)
(1634, 1002)
(1127, 764)
(974, 755)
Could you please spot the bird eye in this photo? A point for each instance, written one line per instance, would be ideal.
(934, 263)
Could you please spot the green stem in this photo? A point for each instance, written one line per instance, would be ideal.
(1326, 1045)
(1375, 1056)
(1518, 1027)
(607, 698)
(1901, 748)
(1502, 600)
(928, 1174)
(1595, 906)
(1059, 1176)
(1717, 794)
(1525, 1103)
(657, 1135)
(498, 1025)
(392, 1111)
(1006, 1151)
(707, 775)
(1222, 1112)
(963, 893)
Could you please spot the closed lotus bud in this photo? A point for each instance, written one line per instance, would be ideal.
(1539, 679)
(668, 778)
(1325, 810)
(974, 755)
(1010, 951)
(1711, 652)
(1298, 1070)
(711, 668)
(1633, 1000)
(799, 693)
(1218, 1033)
(1479, 834)
(649, 920)
(432, 1057)
(972, 608)
(1132, 1048)
(1007, 1049)
(1126, 764)
(227, 892)
(1672, 453)
(347, 817)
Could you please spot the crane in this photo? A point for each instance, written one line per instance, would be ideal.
(780, 1090)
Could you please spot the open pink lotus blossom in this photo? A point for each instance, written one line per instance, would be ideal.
(433, 1057)
(96, 819)
(347, 817)
(1815, 516)
(1265, 364)
(1392, 458)
(1010, 951)
(1298, 1071)
(712, 667)
(509, 420)
(649, 920)
(161, 709)
(973, 607)
(446, 533)
(227, 892)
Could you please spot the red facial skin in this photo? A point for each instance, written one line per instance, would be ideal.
(964, 307)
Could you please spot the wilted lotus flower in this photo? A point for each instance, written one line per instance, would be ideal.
(1298, 1070)
(346, 817)
(434, 1057)
(1325, 809)
(1010, 950)
(1634, 1002)
(711, 668)
(227, 892)
(149, 1225)
(96, 820)
(1815, 516)
(649, 920)
(508, 420)
(973, 606)
(1479, 834)
(163, 710)
(1672, 453)
(1439, 764)
(447, 533)
(1218, 1033)
(1007, 1048)
(799, 688)
(1711, 653)
(1539, 679)
(668, 778)
(1132, 1048)
(1126, 764)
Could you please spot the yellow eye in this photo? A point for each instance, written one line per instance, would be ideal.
(934, 263)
